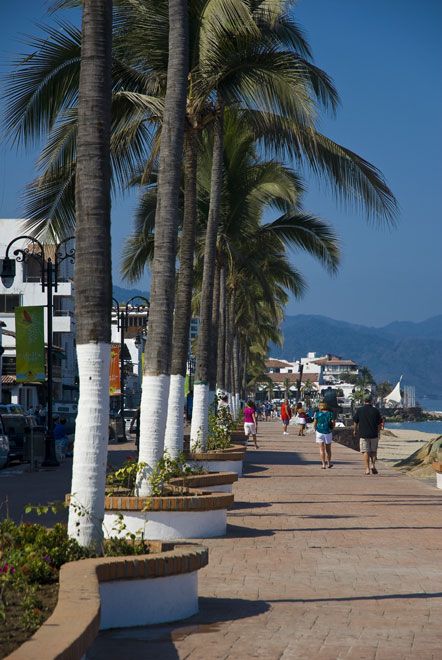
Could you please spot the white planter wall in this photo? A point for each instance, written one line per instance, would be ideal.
(127, 603)
(219, 466)
(168, 525)
(439, 479)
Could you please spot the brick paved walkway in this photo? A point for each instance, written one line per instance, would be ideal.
(316, 564)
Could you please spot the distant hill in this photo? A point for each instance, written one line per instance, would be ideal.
(411, 349)
(123, 295)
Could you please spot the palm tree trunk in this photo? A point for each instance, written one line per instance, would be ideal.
(156, 378)
(221, 350)
(201, 389)
(183, 304)
(236, 376)
(214, 336)
(93, 282)
(228, 343)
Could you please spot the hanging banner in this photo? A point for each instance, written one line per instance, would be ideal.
(30, 345)
(114, 371)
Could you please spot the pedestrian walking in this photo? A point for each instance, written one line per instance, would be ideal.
(135, 427)
(250, 422)
(286, 414)
(368, 421)
(301, 419)
(323, 424)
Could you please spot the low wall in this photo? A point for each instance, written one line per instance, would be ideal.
(215, 482)
(199, 515)
(108, 592)
(345, 437)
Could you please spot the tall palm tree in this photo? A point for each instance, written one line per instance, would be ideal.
(93, 284)
(249, 54)
(156, 378)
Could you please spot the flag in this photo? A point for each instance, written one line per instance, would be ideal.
(114, 370)
(30, 345)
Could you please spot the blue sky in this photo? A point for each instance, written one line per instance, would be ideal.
(384, 57)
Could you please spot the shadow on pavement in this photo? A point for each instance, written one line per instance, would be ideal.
(247, 532)
(157, 642)
(249, 505)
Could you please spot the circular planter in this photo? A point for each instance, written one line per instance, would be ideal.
(215, 482)
(437, 466)
(116, 592)
(222, 460)
(194, 516)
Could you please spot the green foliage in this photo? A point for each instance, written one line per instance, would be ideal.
(125, 477)
(220, 427)
(168, 468)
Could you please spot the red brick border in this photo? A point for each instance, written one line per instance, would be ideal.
(437, 466)
(74, 624)
(233, 453)
(205, 480)
(197, 501)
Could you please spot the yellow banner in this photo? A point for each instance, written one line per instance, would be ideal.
(114, 370)
(30, 344)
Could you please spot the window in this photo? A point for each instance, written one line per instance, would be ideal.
(32, 270)
(60, 305)
(8, 302)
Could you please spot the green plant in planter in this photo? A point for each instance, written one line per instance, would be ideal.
(169, 468)
(125, 477)
(219, 430)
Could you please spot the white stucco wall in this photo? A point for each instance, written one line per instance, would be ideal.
(168, 525)
(127, 603)
(219, 466)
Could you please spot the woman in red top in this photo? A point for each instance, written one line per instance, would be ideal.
(286, 414)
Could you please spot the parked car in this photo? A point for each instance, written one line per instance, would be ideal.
(14, 425)
(4, 446)
(14, 408)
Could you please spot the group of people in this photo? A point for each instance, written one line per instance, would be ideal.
(367, 422)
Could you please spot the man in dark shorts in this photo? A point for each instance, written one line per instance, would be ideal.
(369, 422)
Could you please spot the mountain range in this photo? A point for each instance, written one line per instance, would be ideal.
(413, 350)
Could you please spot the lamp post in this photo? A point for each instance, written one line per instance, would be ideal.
(49, 267)
(122, 314)
(299, 381)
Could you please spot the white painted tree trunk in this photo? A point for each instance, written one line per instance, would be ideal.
(153, 416)
(230, 402)
(173, 442)
(86, 511)
(237, 405)
(200, 416)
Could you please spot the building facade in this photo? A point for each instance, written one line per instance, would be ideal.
(26, 290)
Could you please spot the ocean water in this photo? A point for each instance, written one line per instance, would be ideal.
(426, 427)
(430, 403)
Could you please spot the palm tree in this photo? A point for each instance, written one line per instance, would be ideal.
(156, 378)
(250, 55)
(93, 284)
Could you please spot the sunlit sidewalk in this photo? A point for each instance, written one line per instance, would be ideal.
(317, 564)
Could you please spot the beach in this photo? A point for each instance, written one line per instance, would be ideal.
(406, 442)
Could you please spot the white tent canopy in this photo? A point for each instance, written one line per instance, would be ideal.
(395, 395)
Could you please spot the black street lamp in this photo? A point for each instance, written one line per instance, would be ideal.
(122, 314)
(299, 381)
(49, 266)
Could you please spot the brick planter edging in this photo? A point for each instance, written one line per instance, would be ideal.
(437, 466)
(205, 480)
(197, 501)
(75, 622)
(234, 453)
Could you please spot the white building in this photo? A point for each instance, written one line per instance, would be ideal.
(26, 290)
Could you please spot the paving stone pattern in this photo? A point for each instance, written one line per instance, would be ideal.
(322, 564)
